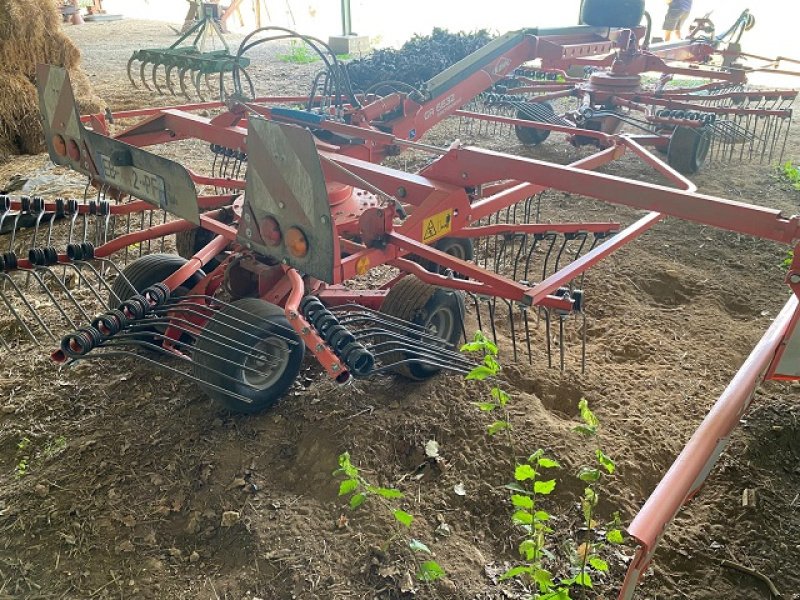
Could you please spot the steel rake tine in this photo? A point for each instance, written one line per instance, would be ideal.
(130, 71)
(196, 81)
(142, 75)
(170, 86)
(182, 80)
(30, 308)
(155, 78)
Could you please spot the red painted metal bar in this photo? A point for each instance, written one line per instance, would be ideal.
(198, 261)
(487, 206)
(690, 469)
(472, 166)
(314, 343)
(85, 208)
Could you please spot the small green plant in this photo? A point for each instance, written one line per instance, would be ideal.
(787, 262)
(23, 458)
(791, 174)
(54, 446)
(299, 54)
(360, 490)
(489, 367)
(588, 559)
(528, 488)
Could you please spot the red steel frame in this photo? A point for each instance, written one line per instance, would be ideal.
(444, 183)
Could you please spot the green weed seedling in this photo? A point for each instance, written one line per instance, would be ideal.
(790, 173)
(587, 558)
(359, 490)
(299, 54)
(489, 368)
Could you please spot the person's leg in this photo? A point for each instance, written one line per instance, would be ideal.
(679, 24)
(671, 23)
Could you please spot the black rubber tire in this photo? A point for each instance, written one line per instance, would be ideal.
(188, 242)
(612, 13)
(248, 323)
(459, 247)
(528, 135)
(147, 270)
(688, 149)
(411, 299)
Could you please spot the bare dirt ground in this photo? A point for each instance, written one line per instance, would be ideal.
(128, 471)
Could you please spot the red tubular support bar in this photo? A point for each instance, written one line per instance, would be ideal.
(690, 469)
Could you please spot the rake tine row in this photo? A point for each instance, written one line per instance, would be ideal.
(194, 71)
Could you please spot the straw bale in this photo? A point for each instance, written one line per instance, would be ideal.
(30, 34)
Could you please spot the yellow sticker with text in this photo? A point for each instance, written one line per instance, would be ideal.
(438, 225)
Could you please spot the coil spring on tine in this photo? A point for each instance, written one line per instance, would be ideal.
(25, 204)
(71, 207)
(104, 208)
(81, 342)
(92, 207)
(358, 359)
(10, 261)
(111, 323)
(310, 306)
(340, 339)
(74, 252)
(157, 294)
(136, 307)
(88, 250)
(5, 203)
(36, 256)
(37, 204)
(60, 209)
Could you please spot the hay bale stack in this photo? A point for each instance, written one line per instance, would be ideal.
(30, 34)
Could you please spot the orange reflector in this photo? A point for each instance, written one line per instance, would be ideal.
(296, 242)
(270, 231)
(73, 150)
(59, 145)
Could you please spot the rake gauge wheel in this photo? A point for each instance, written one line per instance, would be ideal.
(454, 246)
(531, 136)
(249, 348)
(440, 311)
(612, 13)
(688, 149)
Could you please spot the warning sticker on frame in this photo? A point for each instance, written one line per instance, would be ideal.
(437, 225)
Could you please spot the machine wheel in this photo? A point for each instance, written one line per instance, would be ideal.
(437, 309)
(147, 270)
(224, 355)
(459, 247)
(528, 135)
(612, 13)
(688, 149)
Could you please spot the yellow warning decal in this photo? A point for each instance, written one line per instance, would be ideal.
(438, 225)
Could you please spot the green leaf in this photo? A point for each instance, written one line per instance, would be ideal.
(590, 496)
(480, 373)
(403, 517)
(541, 516)
(589, 474)
(357, 500)
(490, 362)
(522, 517)
(544, 487)
(499, 395)
(524, 472)
(496, 427)
(529, 550)
(418, 546)
(515, 572)
(583, 579)
(389, 493)
(606, 461)
(521, 501)
(348, 486)
(548, 463)
(590, 421)
(559, 594)
(598, 564)
(346, 467)
(486, 406)
(615, 537)
(582, 429)
(544, 580)
(430, 571)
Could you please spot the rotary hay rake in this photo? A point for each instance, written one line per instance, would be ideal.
(268, 260)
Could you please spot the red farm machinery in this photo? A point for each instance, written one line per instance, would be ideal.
(300, 207)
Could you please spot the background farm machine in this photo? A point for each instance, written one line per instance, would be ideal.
(299, 206)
